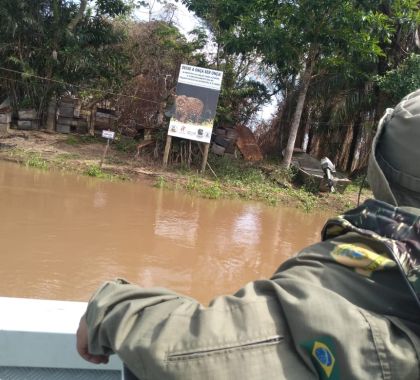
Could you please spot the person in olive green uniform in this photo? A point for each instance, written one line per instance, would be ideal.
(345, 308)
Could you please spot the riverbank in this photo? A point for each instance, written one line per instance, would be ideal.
(227, 178)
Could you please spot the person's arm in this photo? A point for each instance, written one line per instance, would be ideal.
(158, 333)
(82, 345)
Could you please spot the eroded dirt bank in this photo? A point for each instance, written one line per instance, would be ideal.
(229, 179)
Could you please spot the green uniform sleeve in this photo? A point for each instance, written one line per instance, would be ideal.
(160, 334)
(319, 317)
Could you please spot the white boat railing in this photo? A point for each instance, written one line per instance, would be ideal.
(38, 341)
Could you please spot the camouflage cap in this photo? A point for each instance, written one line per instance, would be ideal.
(394, 164)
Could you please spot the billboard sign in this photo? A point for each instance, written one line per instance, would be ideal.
(197, 94)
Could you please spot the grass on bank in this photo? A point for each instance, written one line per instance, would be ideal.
(266, 182)
(95, 171)
(241, 180)
(62, 161)
(34, 160)
(120, 143)
(29, 159)
(82, 139)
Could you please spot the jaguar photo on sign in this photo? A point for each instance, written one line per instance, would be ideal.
(197, 93)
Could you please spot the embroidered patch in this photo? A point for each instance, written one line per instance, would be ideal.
(361, 257)
(321, 351)
(324, 357)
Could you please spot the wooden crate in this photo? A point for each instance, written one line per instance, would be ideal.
(4, 129)
(27, 114)
(67, 121)
(103, 122)
(28, 124)
(231, 133)
(61, 128)
(69, 101)
(217, 149)
(5, 118)
(66, 111)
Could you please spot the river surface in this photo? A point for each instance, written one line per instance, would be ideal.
(61, 235)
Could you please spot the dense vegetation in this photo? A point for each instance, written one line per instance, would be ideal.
(72, 44)
(334, 65)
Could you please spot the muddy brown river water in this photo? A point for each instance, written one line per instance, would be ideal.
(61, 235)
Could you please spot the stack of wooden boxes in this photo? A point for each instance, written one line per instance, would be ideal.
(5, 120)
(224, 141)
(28, 119)
(69, 117)
(105, 118)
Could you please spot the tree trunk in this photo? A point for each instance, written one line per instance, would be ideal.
(306, 79)
(344, 154)
(354, 144)
(305, 139)
(73, 23)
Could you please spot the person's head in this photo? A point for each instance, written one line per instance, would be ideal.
(394, 164)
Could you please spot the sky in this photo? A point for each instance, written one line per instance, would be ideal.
(183, 18)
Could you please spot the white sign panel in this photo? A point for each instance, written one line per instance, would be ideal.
(108, 135)
(198, 92)
(190, 131)
(201, 77)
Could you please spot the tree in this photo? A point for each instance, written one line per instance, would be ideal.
(299, 40)
(243, 92)
(404, 79)
(62, 41)
(155, 51)
(315, 32)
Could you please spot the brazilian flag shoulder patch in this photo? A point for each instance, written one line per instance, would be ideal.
(322, 354)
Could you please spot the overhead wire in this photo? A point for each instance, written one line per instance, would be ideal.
(74, 85)
(21, 81)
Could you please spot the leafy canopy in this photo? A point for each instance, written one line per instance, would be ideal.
(67, 41)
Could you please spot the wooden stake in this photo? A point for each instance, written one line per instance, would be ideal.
(205, 157)
(189, 154)
(105, 151)
(167, 149)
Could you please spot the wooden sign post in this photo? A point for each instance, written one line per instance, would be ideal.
(167, 150)
(109, 135)
(205, 157)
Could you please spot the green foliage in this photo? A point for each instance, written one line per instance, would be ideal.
(76, 140)
(357, 183)
(347, 42)
(240, 98)
(26, 103)
(62, 41)
(35, 160)
(94, 171)
(307, 199)
(125, 144)
(160, 183)
(404, 79)
(72, 140)
(234, 171)
(209, 190)
(311, 186)
(213, 191)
